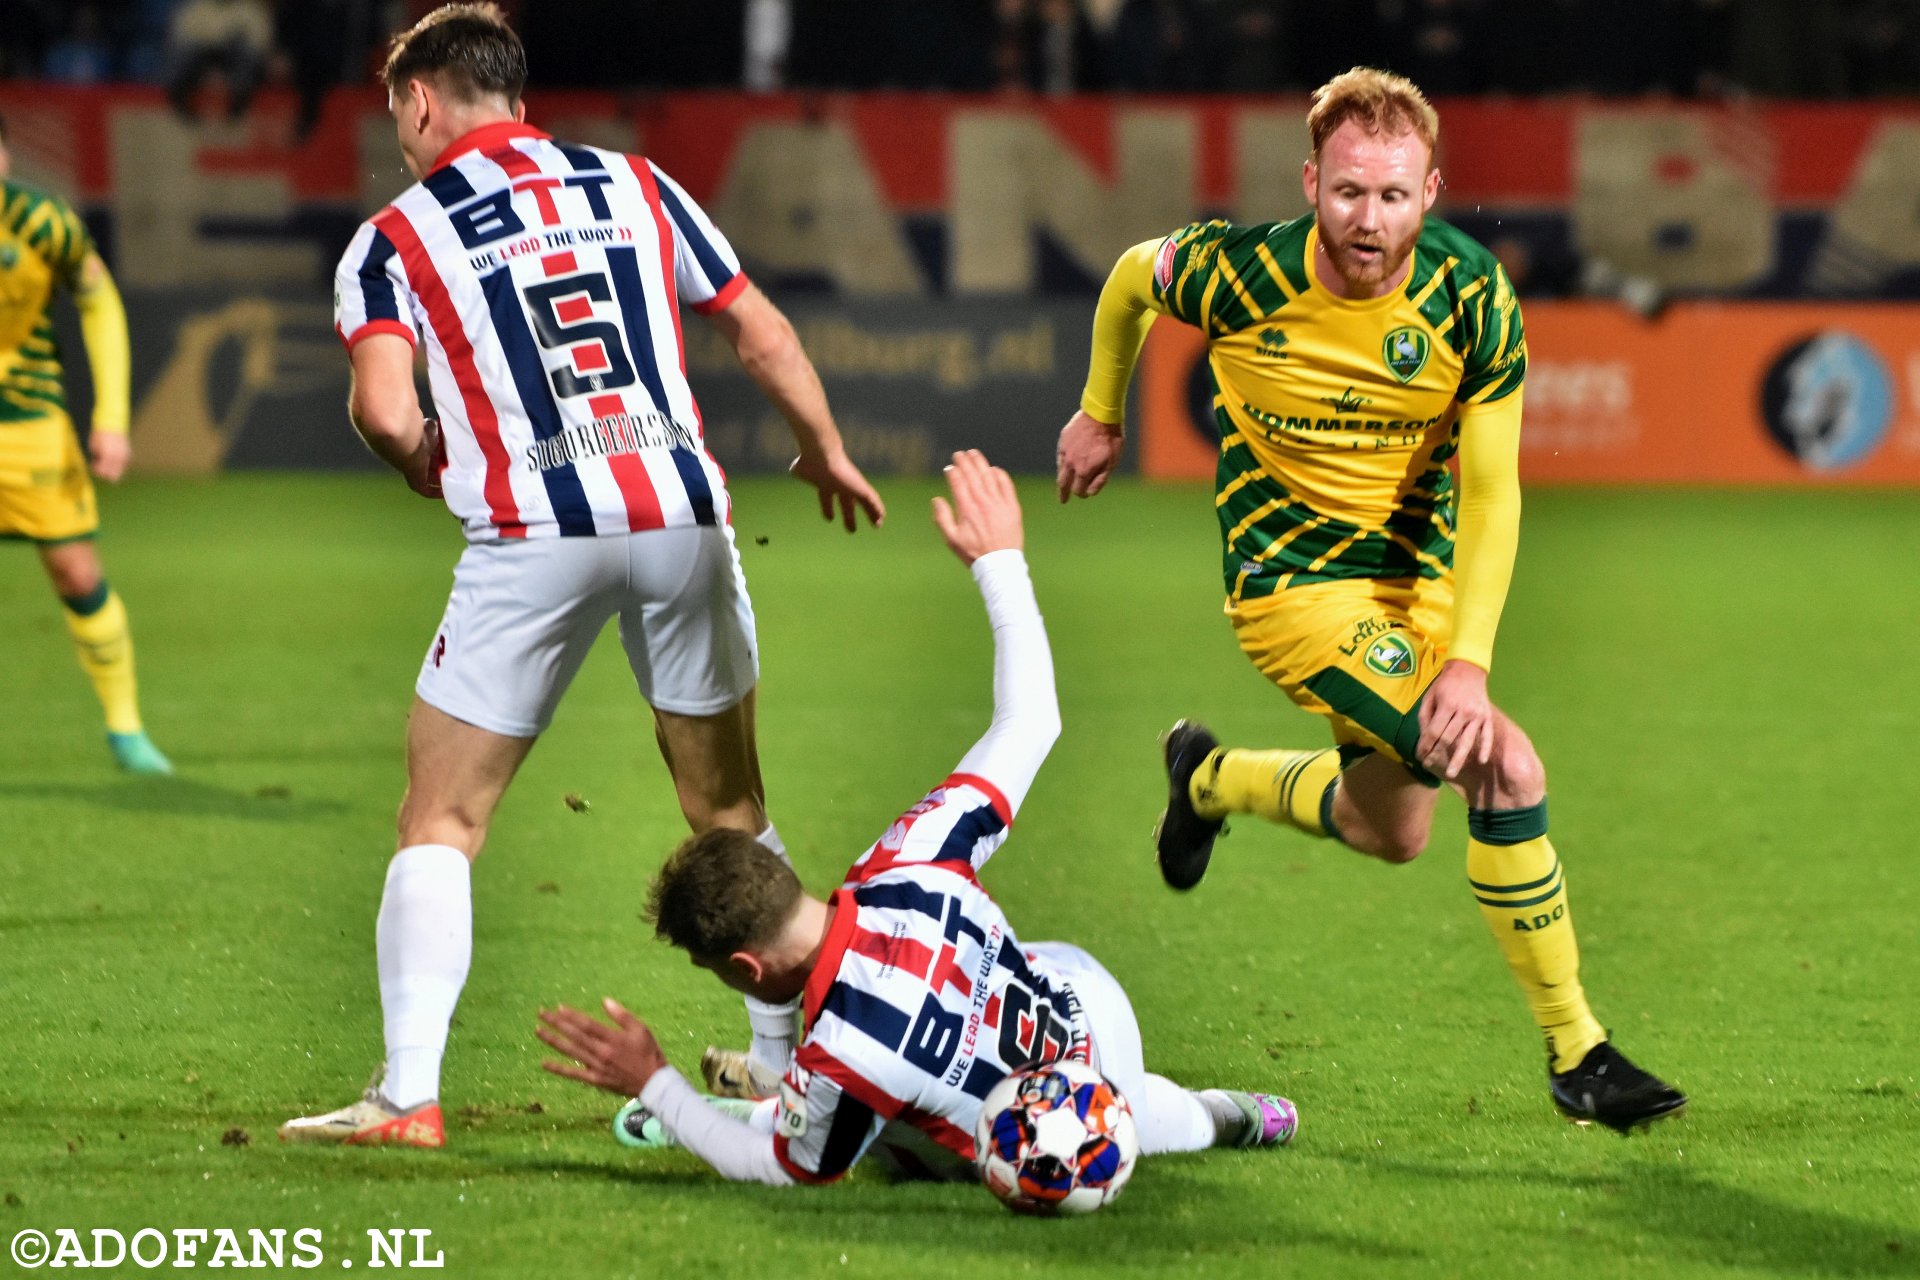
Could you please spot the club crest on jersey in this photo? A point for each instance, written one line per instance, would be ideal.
(9, 257)
(1390, 656)
(1163, 264)
(1405, 351)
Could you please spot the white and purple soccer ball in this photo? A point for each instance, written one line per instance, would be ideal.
(1056, 1139)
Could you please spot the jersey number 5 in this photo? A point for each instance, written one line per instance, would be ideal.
(562, 312)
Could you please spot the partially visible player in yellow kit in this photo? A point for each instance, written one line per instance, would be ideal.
(1354, 353)
(46, 497)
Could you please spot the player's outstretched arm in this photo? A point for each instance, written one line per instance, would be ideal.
(982, 526)
(622, 1056)
(984, 515)
(1091, 442)
(384, 406)
(770, 352)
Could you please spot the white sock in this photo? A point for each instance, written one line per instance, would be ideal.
(1229, 1121)
(772, 840)
(1170, 1118)
(425, 944)
(774, 1025)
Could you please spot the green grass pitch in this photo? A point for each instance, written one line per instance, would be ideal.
(1719, 683)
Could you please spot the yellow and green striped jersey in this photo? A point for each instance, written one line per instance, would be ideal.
(1336, 416)
(43, 243)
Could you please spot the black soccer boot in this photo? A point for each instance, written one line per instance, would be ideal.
(1609, 1089)
(1182, 838)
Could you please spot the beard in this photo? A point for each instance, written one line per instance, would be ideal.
(1372, 260)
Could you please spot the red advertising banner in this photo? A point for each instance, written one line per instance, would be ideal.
(1735, 393)
(899, 195)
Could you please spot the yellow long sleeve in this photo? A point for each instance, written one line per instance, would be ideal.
(103, 325)
(1120, 324)
(1489, 525)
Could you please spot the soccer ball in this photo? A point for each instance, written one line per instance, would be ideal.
(1055, 1139)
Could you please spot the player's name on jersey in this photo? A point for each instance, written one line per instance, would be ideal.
(615, 433)
(547, 241)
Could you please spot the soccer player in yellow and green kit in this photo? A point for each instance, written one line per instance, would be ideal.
(1354, 353)
(46, 496)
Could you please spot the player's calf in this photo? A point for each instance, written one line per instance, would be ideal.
(1397, 843)
(1382, 810)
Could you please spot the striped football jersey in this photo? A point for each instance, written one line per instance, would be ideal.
(922, 999)
(1337, 417)
(43, 243)
(545, 280)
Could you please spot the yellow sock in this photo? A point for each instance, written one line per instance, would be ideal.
(1294, 787)
(98, 624)
(1522, 892)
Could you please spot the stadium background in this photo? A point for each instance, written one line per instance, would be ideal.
(938, 249)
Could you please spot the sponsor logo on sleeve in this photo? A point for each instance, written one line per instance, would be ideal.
(1163, 264)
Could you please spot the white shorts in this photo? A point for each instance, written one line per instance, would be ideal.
(524, 614)
(1110, 1021)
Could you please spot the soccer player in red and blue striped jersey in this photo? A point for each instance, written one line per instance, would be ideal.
(543, 282)
(919, 998)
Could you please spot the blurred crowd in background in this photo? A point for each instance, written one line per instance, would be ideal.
(1688, 48)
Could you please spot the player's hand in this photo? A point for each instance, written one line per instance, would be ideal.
(839, 481)
(109, 452)
(1456, 721)
(429, 460)
(1089, 448)
(620, 1058)
(985, 513)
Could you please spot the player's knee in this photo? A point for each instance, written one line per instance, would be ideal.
(417, 824)
(1398, 843)
(1402, 845)
(74, 581)
(1519, 778)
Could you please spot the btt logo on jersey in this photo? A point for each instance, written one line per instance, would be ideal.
(1390, 656)
(1405, 351)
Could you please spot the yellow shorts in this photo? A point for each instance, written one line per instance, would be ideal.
(1358, 652)
(46, 494)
